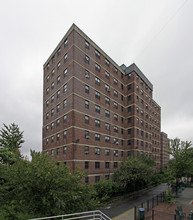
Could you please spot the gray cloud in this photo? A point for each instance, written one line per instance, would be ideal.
(156, 35)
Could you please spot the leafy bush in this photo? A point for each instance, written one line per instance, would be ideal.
(106, 189)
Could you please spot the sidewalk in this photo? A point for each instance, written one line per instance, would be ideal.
(164, 210)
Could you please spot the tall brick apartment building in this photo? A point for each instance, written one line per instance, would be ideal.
(95, 112)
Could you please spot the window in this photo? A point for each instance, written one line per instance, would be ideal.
(97, 123)
(58, 122)
(86, 119)
(65, 72)
(52, 85)
(87, 135)
(107, 152)
(86, 164)
(107, 113)
(116, 153)
(58, 137)
(97, 165)
(97, 150)
(47, 140)
(65, 57)
(129, 109)
(86, 104)
(115, 129)
(87, 59)
(64, 149)
(97, 53)
(107, 165)
(47, 90)
(115, 93)
(129, 142)
(129, 120)
(115, 117)
(64, 118)
(53, 71)
(142, 112)
(129, 98)
(107, 126)
(52, 152)
(122, 131)
(107, 88)
(58, 51)
(107, 62)
(87, 89)
(107, 100)
(107, 139)
(65, 42)
(64, 134)
(129, 87)
(115, 81)
(122, 153)
(48, 65)
(97, 137)
(87, 74)
(86, 149)
(141, 133)
(97, 109)
(116, 141)
(115, 164)
(129, 131)
(86, 180)
(65, 103)
(97, 179)
(58, 65)
(87, 45)
(107, 177)
(122, 98)
(47, 115)
(97, 81)
(48, 77)
(115, 105)
(115, 70)
(97, 67)
(58, 108)
(65, 88)
(52, 112)
(58, 93)
(52, 125)
(47, 103)
(107, 75)
(47, 128)
(52, 139)
(128, 153)
(97, 95)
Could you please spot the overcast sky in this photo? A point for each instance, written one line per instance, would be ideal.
(157, 35)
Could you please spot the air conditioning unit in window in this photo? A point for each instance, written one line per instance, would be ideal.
(87, 136)
(87, 76)
(117, 143)
(116, 155)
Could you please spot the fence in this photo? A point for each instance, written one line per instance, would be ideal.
(96, 215)
(149, 204)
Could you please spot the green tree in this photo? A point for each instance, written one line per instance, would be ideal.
(135, 172)
(41, 188)
(181, 164)
(11, 140)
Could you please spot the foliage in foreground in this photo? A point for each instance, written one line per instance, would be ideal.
(40, 188)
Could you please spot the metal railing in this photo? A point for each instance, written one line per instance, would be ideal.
(97, 215)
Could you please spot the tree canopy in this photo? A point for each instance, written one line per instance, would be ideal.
(41, 188)
(135, 172)
(11, 139)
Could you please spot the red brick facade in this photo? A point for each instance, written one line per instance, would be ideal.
(95, 113)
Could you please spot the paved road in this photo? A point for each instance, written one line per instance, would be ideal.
(120, 207)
